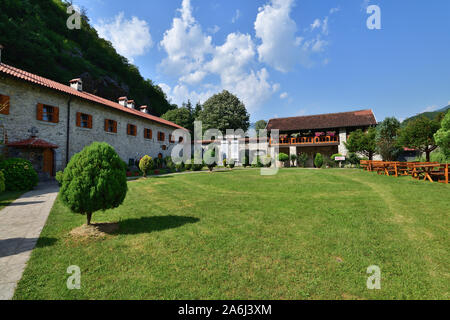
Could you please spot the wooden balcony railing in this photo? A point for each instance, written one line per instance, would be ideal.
(306, 140)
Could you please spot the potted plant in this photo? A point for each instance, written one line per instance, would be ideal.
(283, 158)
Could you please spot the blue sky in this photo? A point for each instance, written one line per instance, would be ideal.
(287, 57)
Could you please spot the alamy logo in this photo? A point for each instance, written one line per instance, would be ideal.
(74, 20)
(74, 281)
(374, 21)
(374, 281)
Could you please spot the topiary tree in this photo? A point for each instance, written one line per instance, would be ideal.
(442, 136)
(303, 158)
(318, 160)
(145, 164)
(94, 179)
(293, 159)
(19, 174)
(210, 159)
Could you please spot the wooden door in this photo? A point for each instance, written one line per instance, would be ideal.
(48, 161)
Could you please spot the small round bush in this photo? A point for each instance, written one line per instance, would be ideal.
(210, 159)
(283, 157)
(188, 165)
(19, 174)
(95, 179)
(2, 182)
(197, 167)
(231, 163)
(169, 163)
(224, 162)
(318, 160)
(145, 164)
(335, 155)
(179, 166)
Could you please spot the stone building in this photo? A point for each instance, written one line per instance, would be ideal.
(48, 122)
(324, 133)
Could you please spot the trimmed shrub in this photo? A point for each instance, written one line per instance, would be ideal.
(59, 177)
(231, 164)
(318, 161)
(303, 158)
(169, 163)
(283, 157)
(197, 167)
(210, 159)
(267, 161)
(188, 165)
(146, 164)
(246, 162)
(179, 166)
(224, 162)
(257, 162)
(328, 163)
(2, 182)
(94, 179)
(335, 155)
(19, 174)
(293, 159)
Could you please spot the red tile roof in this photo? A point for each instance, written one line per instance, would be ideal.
(33, 143)
(324, 121)
(35, 79)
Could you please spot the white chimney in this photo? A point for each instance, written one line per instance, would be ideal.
(123, 101)
(76, 84)
(144, 109)
(130, 104)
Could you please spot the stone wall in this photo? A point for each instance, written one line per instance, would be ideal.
(22, 117)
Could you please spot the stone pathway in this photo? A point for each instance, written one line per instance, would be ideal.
(21, 224)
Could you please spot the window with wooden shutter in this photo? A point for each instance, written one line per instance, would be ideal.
(4, 104)
(84, 120)
(131, 130)
(110, 126)
(161, 136)
(147, 133)
(39, 111)
(47, 113)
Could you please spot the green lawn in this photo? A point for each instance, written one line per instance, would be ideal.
(7, 197)
(302, 234)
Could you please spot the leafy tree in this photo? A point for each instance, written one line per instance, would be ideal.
(145, 164)
(318, 160)
(283, 157)
(181, 116)
(95, 179)
(303, 158)
(260, 125)
(362, 142)
(442, 136)
(419, 134)
(224, 111)
(386, 139)
(197, 110)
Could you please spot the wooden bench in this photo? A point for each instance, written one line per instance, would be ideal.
(441, 173)
(365, 164)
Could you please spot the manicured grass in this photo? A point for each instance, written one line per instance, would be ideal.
(7, 197)
(302, 234)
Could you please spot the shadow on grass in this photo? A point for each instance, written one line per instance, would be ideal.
(13, 246)
(161, 177)
(151, 224)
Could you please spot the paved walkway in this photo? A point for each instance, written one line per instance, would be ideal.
(20, 226)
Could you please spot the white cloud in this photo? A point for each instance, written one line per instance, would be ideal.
(430, 109)
(192, 58)
(236, 16)
(334, 10)
(277, 32)
(316, 24)
(284, 95)
(214, 29)
(131, 38)
(185, 43)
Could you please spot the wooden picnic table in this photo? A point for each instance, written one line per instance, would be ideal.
(424, 168)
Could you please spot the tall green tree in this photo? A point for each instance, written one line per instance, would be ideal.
(419, 134)
(442, 136)
(386, 139)
(181, 116)
(363, 142)
(224, 111)
(260, 125)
